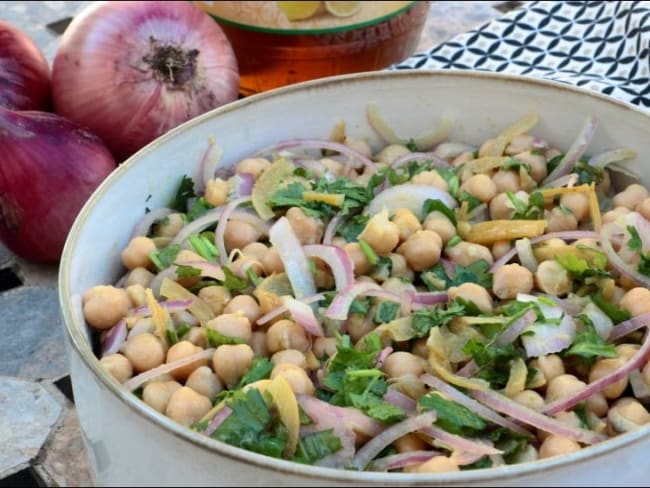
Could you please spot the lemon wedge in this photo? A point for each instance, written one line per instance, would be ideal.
(299, 10)
(342, 9)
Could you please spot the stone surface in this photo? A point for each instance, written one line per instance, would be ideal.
(33, 341)
(6, 256)
(27, 414)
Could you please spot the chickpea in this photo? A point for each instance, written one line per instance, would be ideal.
(332, 166)
(500, 248)
(430, 178)
(216, 297)
(421, 250)
(156, 394)
(555, 445)
(530, 399)
(597, 404)
(614, 214)
(437, 464)
(359, 145)
(472, 292)
(400, 363)
(563, 386)
(398, 286)
(144, 351)
(309, 230)
(286, 334)
(105, 305)
(552, 278)
(506, 180)
(537, 162)
(196, 335)
(296, 377)
(234, 325)
(169, 226)
(246, 305)
(462, 158)
(242, 264)
(324, 346)
(253, 166)
(644, 208)
(361, 264)
(466, 253)
(560, 219)
(238, 234)
(231, 361)
(187, 407)
(358, 325)
(439, 223)
(501, 208)
(258, 343)
(604, 367)
(519, 144)
(216, 192)
(139, 276)
(205, 382)
(636, 301)
(182, 350)
(272, 262)
(630, 411)
(511, 279)
(290, 356)
(632, 196)
(399, 268)
(550, 365)
(136, 253)
(577, 203)
(481, 186)
(137, 295)
(406, 222)
(627, 351)
(381, 234)
(390, 153)
(117, 366)
(409, 443)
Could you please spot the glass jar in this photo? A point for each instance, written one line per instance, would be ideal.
(273, 51)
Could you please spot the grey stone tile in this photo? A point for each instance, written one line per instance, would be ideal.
(27, 414)
(33, 344)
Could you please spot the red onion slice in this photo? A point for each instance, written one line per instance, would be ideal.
(137, 381)
(514, 330)
(454, 442)
(144, 224)
(338, 261)
(549, 338)
(318, 144)
(471, 404)
(624, 328)
(567, 180)
(293, 257)
(114, 339)
(401, 460)
(635, 362)
(428, 297)
(197, 226)
(330, 230)
(401, 400)
(283, 308)
(303, 315)
(503, 404)
(338, 309)
(217, 420)
(220, 231)
(377, 444)
(208, 165)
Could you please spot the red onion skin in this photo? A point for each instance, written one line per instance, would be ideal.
(102, 74)
(49, 167)
(24, 71)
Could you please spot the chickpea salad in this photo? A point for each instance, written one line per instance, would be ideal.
(427, 306)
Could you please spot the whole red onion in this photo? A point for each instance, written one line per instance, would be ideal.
(49, 167)
(131, 71)
(24, 72)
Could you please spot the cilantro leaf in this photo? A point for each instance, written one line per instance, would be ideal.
(431, 205)
(437, 279)
(588, 173)
(472, 201)
(493, 361)
(386, 312)
(356, 196)
(200, 207)
(452, 416)
(580, 268)
(423, 320)
(615, 313)
(232, 281)
(352, 227)
(204, 246)
(635, 244)
(317, 445)
(184, 193)
(216, 338)
(164, 258)
(531, 210)
(588, 344)
(259, 370)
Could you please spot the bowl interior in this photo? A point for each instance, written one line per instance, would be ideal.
(478, 105)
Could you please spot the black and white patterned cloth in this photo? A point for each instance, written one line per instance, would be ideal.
(600, 45)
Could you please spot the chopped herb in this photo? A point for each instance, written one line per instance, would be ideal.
(259, 370)
(383, 268)
(454, 241)
(509, 442)
(553, 163)
(579, 268)
(423, 320)
(452, 416)
(368, 252)
(186, 271)
(412, 146)
(184, 192)
(386, 312)
(431, 205)
(199, 208)
(356, 195)
(514, 163)
(537, 152)
(253, 276)
(216, 338)
(531, 210)
(635, 244)
(232, 281)
(164, 258)
(174, 334)
(291, 196)
(317, 445)
(588, 344)
(587, 173)
(437, 279)
(359, 305)
(204, 247)
(493, 361)
(472, 201)
(615, 313)
(451, 178)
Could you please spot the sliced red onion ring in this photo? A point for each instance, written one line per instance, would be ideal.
(197, 226)
(330, 230)
(319, 144)
(549, 338)
(515, 329)
(381, 356)
(409, 195)
(340, 306)
(170, 305)
(401, 400)
(220, 231)
(624, 328)
(303, 315)
(217, 420)
(401, 460)
(471, 404)
(577, 149)
(428, 297)
(140, 328)
(208, 166)
(420, 156)
(635, 362)
(616, 261)
(528, 416)
(338, 261)
(566, 180)
(283, 308)
(142, 378)
(293, 257)
(601, 160)
(145, 223)
(454, 442)
(377, 444)
(156, 281)
(114, 338)
(242, 184)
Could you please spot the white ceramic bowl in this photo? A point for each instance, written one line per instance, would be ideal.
(131, 444)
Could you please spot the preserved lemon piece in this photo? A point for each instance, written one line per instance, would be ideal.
(300, 10)
(343, 9)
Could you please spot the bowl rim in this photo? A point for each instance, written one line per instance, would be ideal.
(77, 339)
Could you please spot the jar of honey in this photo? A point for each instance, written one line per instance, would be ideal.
(278, 43)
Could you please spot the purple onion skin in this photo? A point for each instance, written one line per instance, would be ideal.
(24, 72)
(49, 166)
